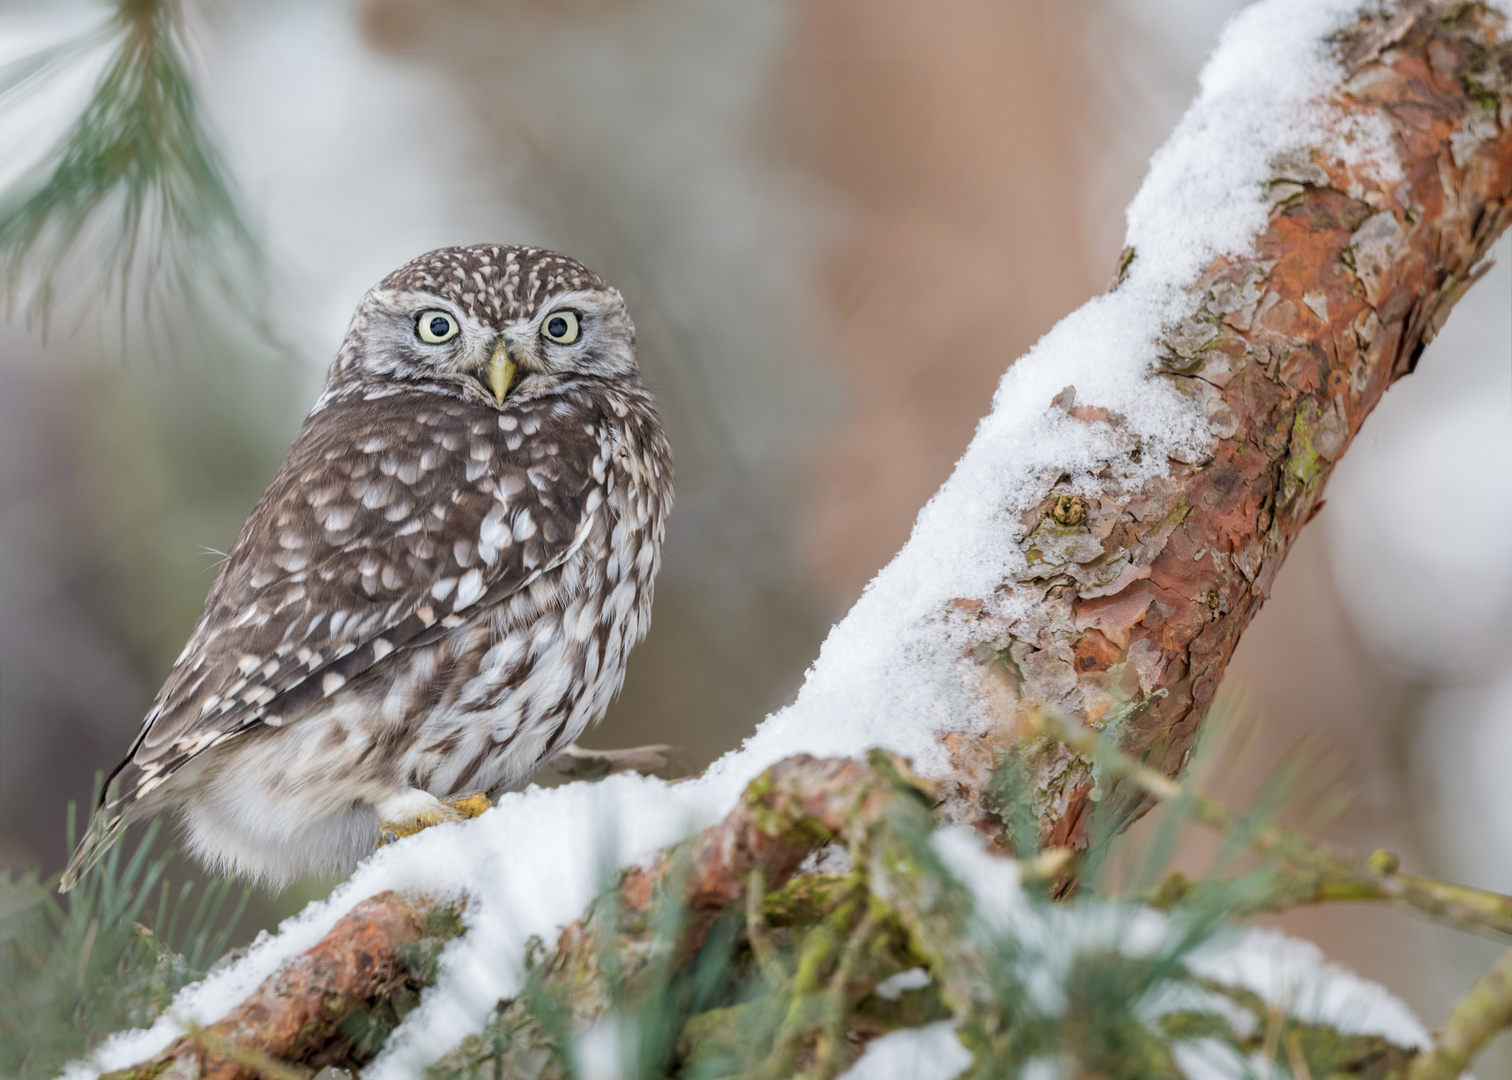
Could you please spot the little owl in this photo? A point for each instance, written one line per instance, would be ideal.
(438, 590)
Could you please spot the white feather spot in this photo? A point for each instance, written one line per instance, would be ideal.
(492, 533)
(468, 589)
(332, 682)
(339, 518)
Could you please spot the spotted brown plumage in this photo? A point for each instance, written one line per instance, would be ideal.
(439, 588)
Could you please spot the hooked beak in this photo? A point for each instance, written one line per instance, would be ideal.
(499, 372)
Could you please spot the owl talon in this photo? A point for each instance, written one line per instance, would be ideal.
(407, 814)
(469, 806)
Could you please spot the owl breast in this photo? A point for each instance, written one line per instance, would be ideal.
(512, 690)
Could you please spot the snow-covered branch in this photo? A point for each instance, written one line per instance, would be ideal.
(1117, 521)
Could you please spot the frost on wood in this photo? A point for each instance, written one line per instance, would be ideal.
(1134, 594)
(322, 1009)
(1116, 522)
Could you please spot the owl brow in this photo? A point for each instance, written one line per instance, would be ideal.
(578, 301)
(424, 303)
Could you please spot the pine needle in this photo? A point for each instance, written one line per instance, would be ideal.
(135, 194)
(104, 958)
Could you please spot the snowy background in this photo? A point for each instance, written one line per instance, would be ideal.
(836, 224)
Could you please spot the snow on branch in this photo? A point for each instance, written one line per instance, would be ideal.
(1118, 519)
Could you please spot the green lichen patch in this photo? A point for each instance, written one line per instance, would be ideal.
(1069, 511)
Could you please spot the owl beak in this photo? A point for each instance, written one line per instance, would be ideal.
(499, 372)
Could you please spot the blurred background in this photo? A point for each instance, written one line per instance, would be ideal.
(836, 223)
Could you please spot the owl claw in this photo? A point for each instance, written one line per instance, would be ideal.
(416, 810)
(469, 806)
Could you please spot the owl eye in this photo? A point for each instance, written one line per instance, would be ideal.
(434, 327)
(561, 327)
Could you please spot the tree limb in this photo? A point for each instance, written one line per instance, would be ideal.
(1317, 871)
(1290, 350)
(1480, 1014)
(303, 1014)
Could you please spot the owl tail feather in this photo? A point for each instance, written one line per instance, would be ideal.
(106, 825)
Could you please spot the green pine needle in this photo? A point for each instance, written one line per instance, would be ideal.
(108, 956)
(135, 192)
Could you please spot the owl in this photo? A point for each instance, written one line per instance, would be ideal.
(440, 587)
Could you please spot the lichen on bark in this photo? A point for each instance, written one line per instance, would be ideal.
(1148, 589)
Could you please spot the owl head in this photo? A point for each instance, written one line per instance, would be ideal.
(488, 322)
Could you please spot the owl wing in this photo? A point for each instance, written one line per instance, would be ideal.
(389, 520)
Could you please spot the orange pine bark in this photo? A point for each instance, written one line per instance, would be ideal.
(1291, 349)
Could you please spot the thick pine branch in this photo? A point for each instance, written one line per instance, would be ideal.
(1291, 350)
(317, 1010)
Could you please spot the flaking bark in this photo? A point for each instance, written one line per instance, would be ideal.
(1290, 350)
(304, 1014)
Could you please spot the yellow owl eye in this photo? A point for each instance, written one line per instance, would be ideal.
(434, 327)
(561, 327)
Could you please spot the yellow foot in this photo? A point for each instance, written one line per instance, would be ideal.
(406, 814)
(469, 806)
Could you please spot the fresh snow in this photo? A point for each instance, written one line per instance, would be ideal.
(931, 1052)
(887, 675)
(1282, 971)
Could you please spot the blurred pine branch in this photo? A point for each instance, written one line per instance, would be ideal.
(724, 958)
(135, 195)
(1310, 871)
(108, 956)
(649, 985)
(1483, 1012)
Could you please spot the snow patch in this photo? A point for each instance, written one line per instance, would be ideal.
(1294, 976)
(931, 1052)
(1286, 973)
